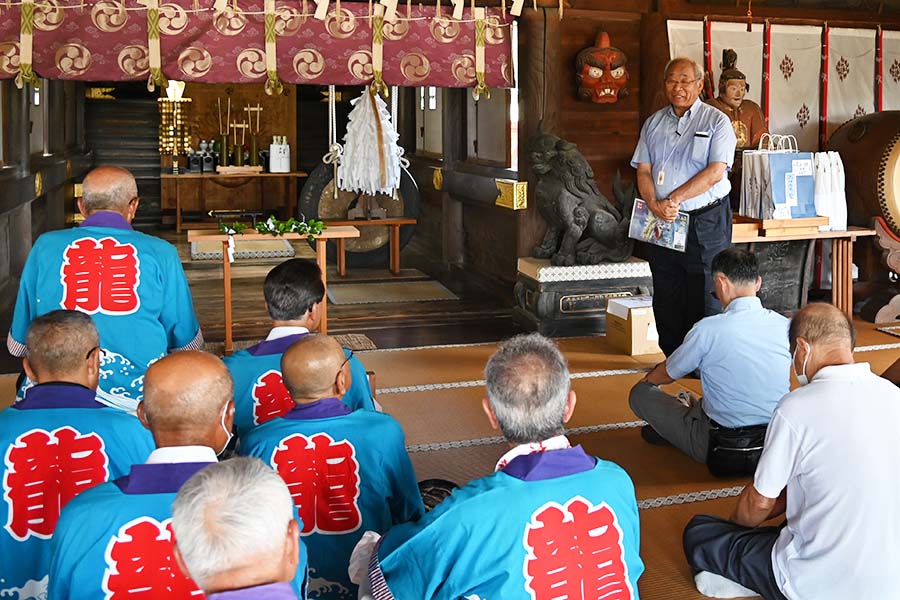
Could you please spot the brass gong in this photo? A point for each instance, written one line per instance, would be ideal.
(333, 208)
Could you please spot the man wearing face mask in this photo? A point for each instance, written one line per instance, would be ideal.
(744, 363)
(830, 465)
(116, 538)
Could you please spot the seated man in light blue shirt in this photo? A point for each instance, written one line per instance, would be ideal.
(744, 363)
(681, 159)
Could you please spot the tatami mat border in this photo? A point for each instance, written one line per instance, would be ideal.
(486, 441)
(876, 347)
(690, 497)
(405, 389)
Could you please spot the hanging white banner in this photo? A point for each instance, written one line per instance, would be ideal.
(749, 48)
(794, 90)
(686, 39)
(891, 70)
(851, 75)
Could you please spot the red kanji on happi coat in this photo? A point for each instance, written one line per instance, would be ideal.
(270, 398)
(44, 470)
(575, 552)
(100, 276)
(140, 563)
(323, 478)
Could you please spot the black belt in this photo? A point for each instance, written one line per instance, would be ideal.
(706, 208)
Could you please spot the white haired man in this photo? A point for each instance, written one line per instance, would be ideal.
(681, 159)
(57, 442)
(132, 284)
(236, 534)
(551, 522)
(830, 465)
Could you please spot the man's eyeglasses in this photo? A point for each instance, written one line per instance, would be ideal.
(682, 82)
(91, 351)
(341, 368)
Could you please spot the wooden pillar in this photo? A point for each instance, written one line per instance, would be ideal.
(454, 150)
(20, 116)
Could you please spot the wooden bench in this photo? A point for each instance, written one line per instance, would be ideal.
(393, 223)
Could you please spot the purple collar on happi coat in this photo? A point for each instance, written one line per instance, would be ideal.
(58, 394)
(107, 218)
(276, 346)
(320, 409)
(158, 478)
(268, 591)
(551, 464)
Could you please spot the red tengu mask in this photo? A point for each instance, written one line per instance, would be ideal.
(602, 72)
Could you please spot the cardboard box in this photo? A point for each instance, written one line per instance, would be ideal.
(630, 325)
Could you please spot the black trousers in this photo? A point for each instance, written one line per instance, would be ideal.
(682, 282)
(741, 554)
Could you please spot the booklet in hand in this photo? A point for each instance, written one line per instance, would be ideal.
(647, 227)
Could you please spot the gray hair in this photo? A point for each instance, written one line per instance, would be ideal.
(108, 188)
(230, 515)
(527, 386)
(58, 341)
(698, 70)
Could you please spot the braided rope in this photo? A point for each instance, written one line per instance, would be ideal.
(430, 387)
(690, 497)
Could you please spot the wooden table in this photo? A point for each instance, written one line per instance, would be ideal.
(841, 258)
(332, 233)
(203, 199)
(393, 223)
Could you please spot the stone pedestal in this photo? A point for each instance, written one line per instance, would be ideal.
(571, 301)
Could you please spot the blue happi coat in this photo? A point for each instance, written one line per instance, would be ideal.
(114, 541)
(553, 524)
(348, 473)
(56, 442)
(133, 286)
(259, 392)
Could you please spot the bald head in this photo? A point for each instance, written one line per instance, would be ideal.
(184, 396)
(310, 368)
(108, 188)
(824, 326)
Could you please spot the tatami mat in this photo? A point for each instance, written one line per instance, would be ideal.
(667, 575)
(456, 413)
(656, 471)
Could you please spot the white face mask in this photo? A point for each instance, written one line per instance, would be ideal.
(802, 379)
(227, 433)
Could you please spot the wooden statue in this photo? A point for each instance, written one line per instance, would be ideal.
(746, 116)
(569, 200)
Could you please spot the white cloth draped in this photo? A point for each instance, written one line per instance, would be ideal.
(891, 70)
(794, 90)
(851, 75)
(686, 39)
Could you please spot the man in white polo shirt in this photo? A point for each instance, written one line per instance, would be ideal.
(831, 463)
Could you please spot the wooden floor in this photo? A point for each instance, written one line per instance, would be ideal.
(478, 316)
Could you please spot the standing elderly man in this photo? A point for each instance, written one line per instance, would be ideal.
(115, 540)
(551, 522)
(294, 293)
(831, 462)
(236, 533)
(131, 283)
(348, 471)
(57, 442)
(681, 159)
(744, 363)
